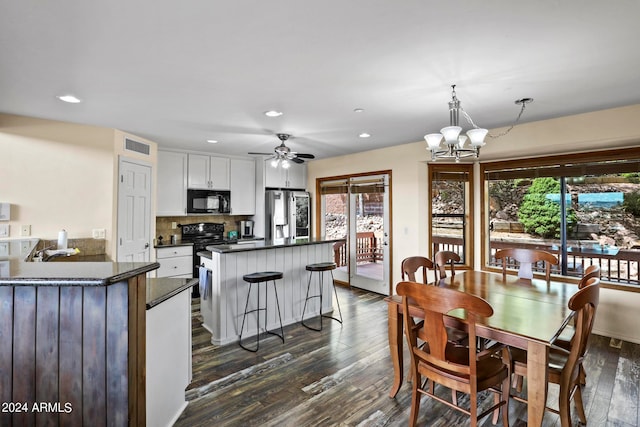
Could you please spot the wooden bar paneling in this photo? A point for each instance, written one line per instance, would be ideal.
(24, 350)
(94, 316)
(6, 349)
(47, 344)
(73, 355)
(137, 350)
(117, 354)
(70, 363)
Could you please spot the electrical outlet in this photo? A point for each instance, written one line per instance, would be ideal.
(4, 230)
(99, 233)
(174, 225)
(25, 247)
(25, 230)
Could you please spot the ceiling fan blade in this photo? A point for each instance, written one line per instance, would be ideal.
(305, 156)
(297, 160)
(261, 154)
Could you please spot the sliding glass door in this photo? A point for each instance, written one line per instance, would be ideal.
(357, 209)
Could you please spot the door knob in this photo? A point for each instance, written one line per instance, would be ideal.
(146, 245)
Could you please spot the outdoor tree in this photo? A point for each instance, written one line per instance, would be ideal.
(540, 215)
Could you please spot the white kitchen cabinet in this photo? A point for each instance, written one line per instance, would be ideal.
(208, 172)
(243, 187)
(172, 184)
(294, 177)
(175, 261)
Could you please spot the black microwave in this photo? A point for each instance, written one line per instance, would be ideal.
(208, 202)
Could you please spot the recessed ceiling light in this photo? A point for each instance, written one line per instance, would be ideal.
(364, 135)
(69, 98)
(212, 141)
(273, 113)
(358, 110)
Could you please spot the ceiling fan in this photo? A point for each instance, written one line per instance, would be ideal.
(282, 154)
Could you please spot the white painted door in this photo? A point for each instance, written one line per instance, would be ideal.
(369, 233)
(134, 212)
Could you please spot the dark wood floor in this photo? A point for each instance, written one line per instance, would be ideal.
(341, 377)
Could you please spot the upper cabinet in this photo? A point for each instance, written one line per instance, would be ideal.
(294, 177)
(243, 187)
(172, 184)
(208, 172)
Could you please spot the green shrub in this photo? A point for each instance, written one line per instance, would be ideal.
(539, 215)
(631, 203)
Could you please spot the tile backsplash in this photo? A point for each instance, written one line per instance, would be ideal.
(87, 246)
(163, 223)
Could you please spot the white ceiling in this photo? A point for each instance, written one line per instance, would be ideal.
(181, 72)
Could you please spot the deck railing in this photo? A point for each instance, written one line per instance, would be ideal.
(619, 268)
(368, 249)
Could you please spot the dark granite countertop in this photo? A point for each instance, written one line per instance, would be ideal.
(268, 244)
(163, 288)
(97, 271)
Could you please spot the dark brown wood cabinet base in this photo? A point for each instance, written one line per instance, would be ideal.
(73, 355)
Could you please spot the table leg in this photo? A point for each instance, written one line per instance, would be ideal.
(537, 362)
(395, 346)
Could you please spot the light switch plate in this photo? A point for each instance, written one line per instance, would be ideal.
(4, 230)
(5, 211)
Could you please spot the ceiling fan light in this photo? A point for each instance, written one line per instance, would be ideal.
(285, 164)
(450, 134)
(433, 140)
(274, 163)
(476, 136)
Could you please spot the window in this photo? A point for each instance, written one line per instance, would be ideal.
(451, 195)
(584, 208)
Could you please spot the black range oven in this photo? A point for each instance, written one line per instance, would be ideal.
(202, 234)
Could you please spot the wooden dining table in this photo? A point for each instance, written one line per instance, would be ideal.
(528, 314)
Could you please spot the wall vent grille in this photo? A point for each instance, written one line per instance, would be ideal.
(138, 147)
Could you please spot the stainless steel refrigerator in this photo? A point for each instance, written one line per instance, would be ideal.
(287, 215)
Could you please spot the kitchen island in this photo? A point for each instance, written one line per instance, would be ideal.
(73, 340)
(222, 311)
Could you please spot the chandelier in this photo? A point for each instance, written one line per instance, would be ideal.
(455, 145)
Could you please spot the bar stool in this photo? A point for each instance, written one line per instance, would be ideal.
(261, 277)
(320, 267)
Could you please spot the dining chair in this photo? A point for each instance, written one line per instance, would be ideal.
(564, 364)
(526, 257)
(439, 361)
(593, 271)
(442, 258)
(410, 267)
(412, 264)
(566, 337)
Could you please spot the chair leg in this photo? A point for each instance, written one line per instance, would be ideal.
(307, 298)
(564, 406)
(257, 320)
(335, 292)
(506, 390)
(577, 397)
(275, 291)
(582, 375)
(415, 401)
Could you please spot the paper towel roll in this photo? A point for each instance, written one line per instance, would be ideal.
(62, 239)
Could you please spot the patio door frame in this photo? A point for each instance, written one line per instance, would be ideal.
(387, 218)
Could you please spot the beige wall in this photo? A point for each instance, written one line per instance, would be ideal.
(408, 162)
(60, 175)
